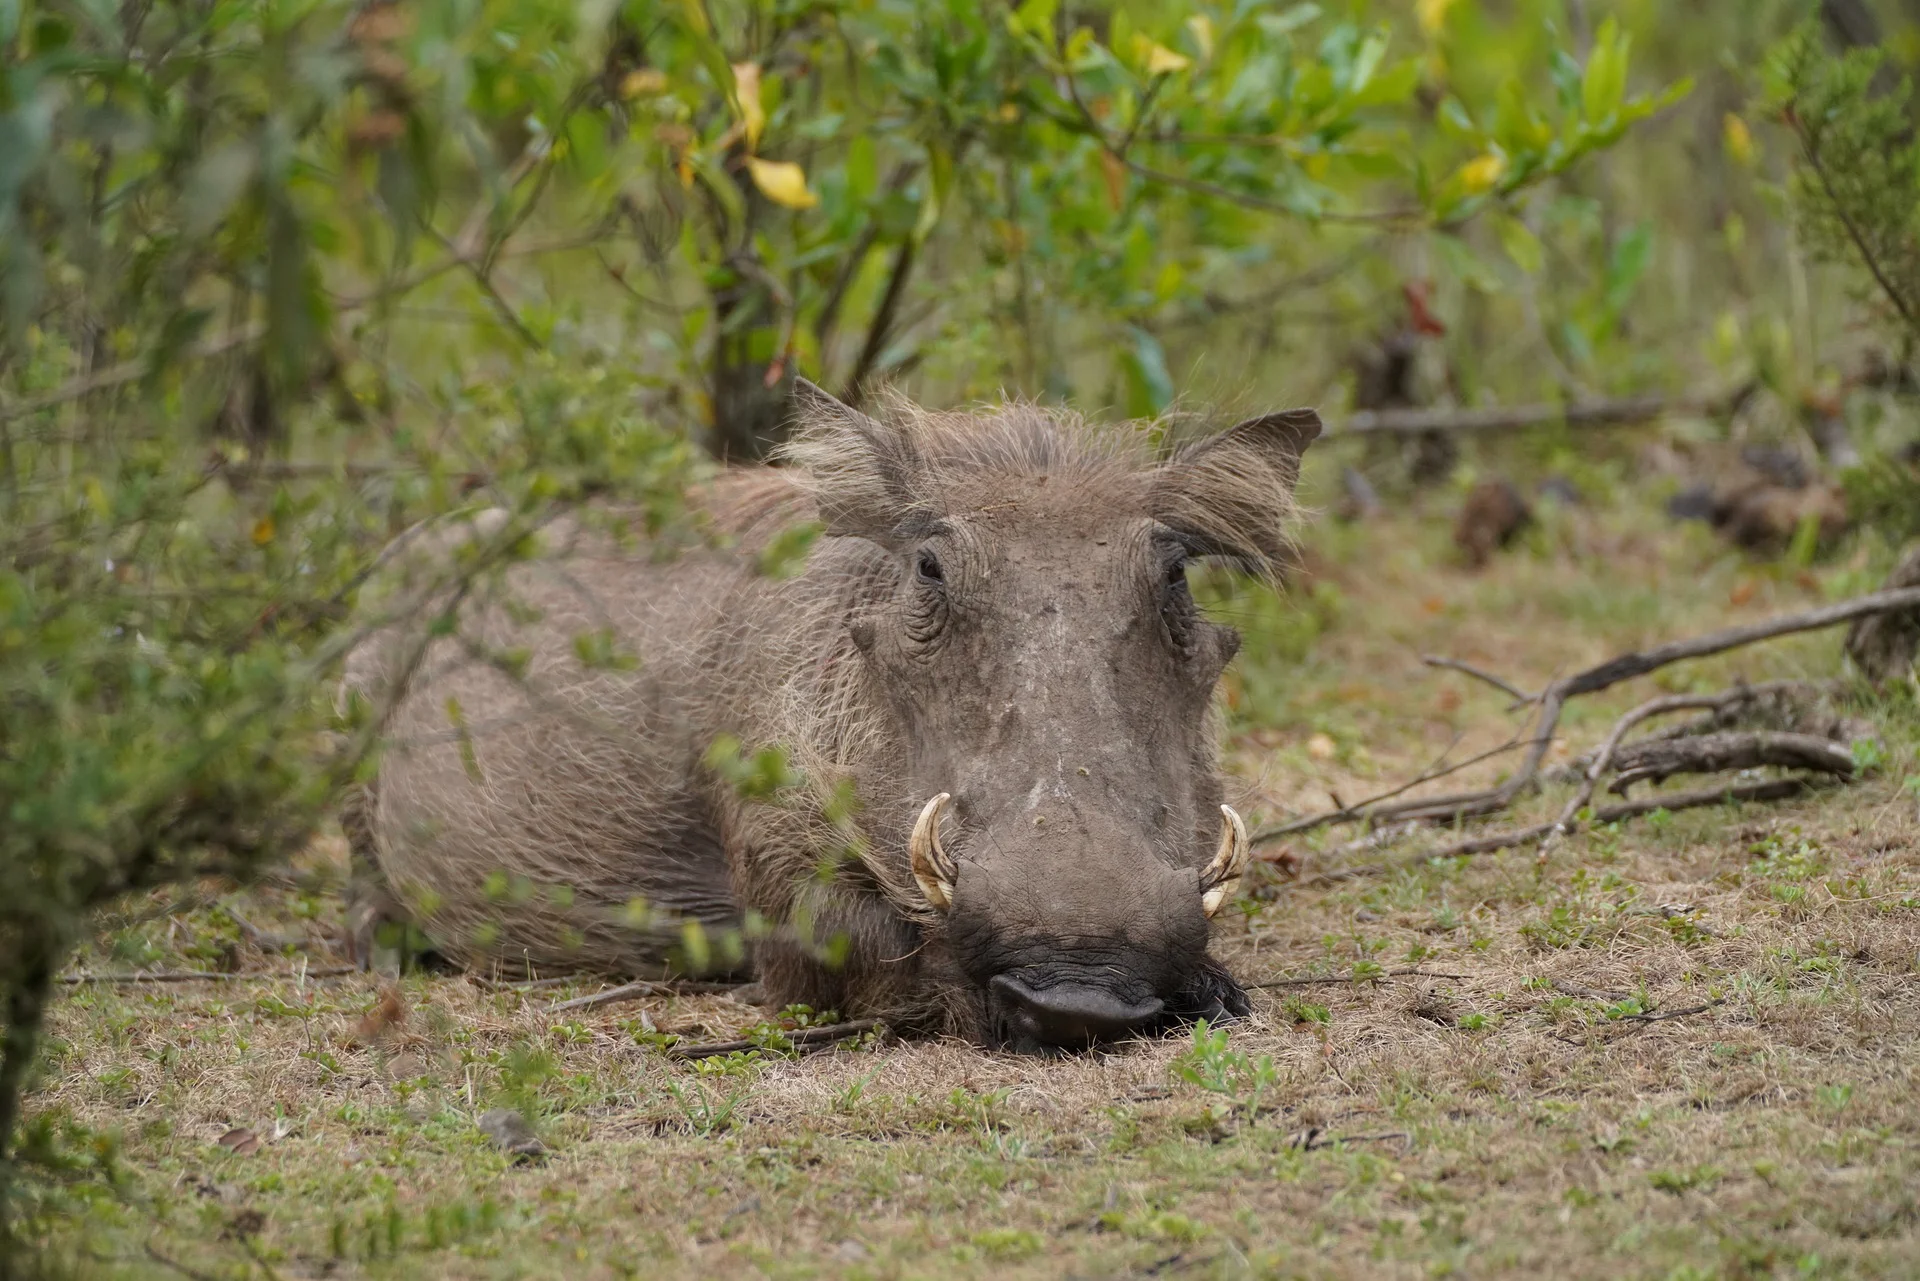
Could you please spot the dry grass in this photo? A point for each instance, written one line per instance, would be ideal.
(1516, 1119)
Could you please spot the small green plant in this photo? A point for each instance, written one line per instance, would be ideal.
(706, 1112)
(1698, 1176)
(1301, 1010)
(1213, 1064)
(1008, 1245)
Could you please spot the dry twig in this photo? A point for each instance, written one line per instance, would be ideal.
(1553, 699)
(803, 1039)
(1514, 692)
(634, 991)
(1721, 753)
(1583, 795)
(1778, 789)
(1333, 979)
(209, 976)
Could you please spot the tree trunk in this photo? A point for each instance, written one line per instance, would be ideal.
(1850, 23)
(28, 990)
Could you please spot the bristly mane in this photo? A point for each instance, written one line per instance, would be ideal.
(907, 466)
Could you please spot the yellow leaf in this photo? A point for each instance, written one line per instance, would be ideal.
(1432, 14)
(646, 82)
(1482, 172)
(1202, 27)
(1009, 112)
(746, 87)
(263, 531)
(782, 182)
(1160, 60)
(1739, 141)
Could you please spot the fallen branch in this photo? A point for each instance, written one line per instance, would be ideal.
(1312, 1139)
(209, 976)
(634, 991)
(1778, 789)
(1553, 699)
(1333, 979)
(1661, 1016)
(1583, 795)
(1371, 805)
(1720, 753)
(806, 1038)
(1795, 707)
(1514, 692)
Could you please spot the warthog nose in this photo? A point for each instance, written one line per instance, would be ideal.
(1068, 1014)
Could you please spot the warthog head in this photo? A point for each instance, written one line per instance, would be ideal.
(1036, 650)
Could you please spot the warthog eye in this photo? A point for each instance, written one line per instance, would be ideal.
(927, 566)
(1176, 605)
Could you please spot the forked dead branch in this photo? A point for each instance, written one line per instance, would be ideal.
(1708, 745)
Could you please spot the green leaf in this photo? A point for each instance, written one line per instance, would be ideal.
(1520, 243)
(1279, 24)
(1627, 264)
(1605, 82)
(863, 169)
(1149, 385)
(1367, 61)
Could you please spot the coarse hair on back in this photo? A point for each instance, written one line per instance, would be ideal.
(888, 475)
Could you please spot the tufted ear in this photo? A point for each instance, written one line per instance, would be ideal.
(866, 476)
(1231, 495)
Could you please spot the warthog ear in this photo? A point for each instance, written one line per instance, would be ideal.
(1231, 495)
(865, 475)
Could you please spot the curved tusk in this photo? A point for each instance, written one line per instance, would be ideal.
(1222, 876)
(931, 866)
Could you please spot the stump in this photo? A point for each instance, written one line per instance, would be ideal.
(1885, 645)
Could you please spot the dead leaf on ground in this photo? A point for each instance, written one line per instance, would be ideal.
(240, 1141)
(388, 1014)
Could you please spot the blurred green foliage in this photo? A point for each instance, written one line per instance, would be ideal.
(1856, 191)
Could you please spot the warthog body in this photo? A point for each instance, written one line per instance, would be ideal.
(997, 614)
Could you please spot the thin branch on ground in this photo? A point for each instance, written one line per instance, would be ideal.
(1512, 691)
(1312, 1139)
(1661, 1016)
(806, 1038)
(1553, 699)
(1778, 789)
(1363, 808)
(1334, 979)
(208, 976)
(634, 991)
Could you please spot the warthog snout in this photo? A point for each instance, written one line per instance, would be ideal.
(1065, 969)
(1068, 1014)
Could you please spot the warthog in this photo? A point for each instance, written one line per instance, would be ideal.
(990, 672)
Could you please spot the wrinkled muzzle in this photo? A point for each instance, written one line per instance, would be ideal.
(1127, 955)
